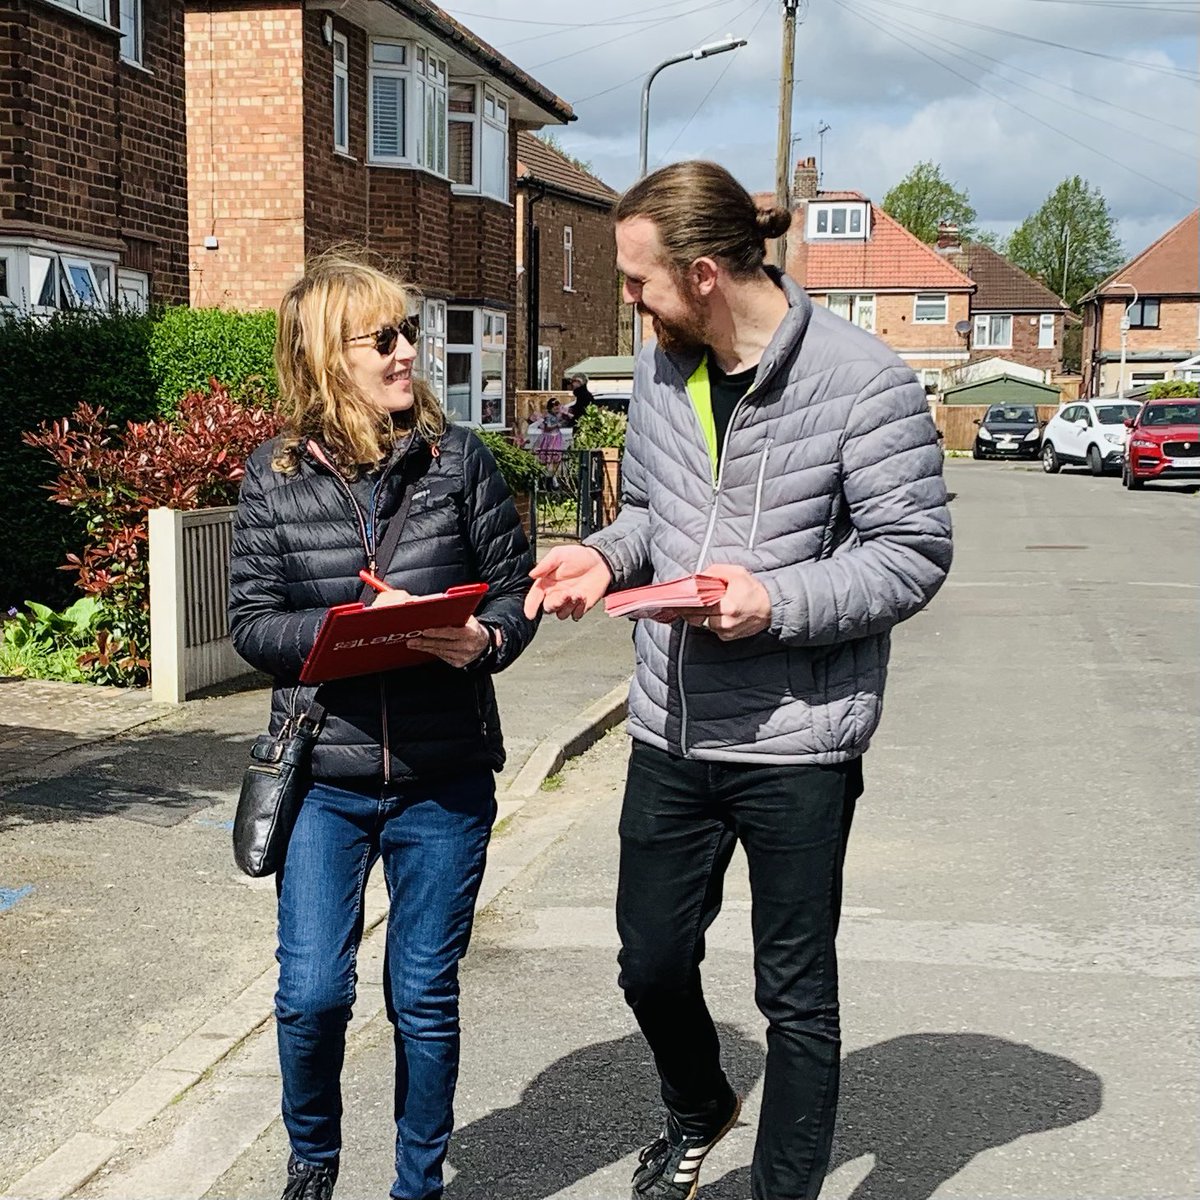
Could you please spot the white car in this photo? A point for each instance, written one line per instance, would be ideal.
(1088, 432)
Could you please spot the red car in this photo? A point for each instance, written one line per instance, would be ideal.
(1164, 442)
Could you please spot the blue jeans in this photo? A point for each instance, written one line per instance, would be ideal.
(433, 841)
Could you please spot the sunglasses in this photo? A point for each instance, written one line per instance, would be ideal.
(387, 335)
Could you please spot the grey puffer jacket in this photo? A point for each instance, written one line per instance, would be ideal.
(830, 493)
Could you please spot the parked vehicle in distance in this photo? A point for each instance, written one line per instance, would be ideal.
(1164, 442)
(615, 401)
(1090, 433)
(1008, 431)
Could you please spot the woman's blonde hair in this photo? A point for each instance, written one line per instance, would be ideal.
(339, 296)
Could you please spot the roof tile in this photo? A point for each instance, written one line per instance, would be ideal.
(537, 160)
(1001, 286)
(1168, 267)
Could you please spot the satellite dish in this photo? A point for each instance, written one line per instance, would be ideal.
(962, 328)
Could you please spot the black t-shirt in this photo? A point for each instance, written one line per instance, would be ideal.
(726, 390)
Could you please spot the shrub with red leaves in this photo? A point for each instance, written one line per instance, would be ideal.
(111, 477)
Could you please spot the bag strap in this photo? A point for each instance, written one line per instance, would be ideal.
(385, 552)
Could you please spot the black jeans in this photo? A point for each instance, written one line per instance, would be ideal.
(679, 823)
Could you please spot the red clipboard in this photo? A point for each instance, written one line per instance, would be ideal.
(357, 640)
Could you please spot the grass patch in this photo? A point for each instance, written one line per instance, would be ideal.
(552, 783)
(37, 662)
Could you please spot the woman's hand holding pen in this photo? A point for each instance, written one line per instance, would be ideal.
(458, 645)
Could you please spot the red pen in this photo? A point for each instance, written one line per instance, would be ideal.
(375, 582)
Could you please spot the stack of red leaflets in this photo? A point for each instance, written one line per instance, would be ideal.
(692, 591)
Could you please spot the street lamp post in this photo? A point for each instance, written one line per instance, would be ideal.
(1124, 334)
(706, 51)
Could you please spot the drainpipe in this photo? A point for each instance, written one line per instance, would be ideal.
(533, 285)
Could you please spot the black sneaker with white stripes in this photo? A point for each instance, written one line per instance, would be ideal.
(669, 1168)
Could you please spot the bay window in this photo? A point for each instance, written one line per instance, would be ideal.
(341, 93)
(433, 347)
(42, 278)
(476, 345)
(494, 145)
(430, 110)
(463, 118)
(389, 101)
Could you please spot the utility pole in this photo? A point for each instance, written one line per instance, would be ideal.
(783, 155)
(1066, 257)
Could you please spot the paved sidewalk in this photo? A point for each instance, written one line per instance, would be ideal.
(135, 956)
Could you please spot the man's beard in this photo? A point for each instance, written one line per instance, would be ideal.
(686, 334)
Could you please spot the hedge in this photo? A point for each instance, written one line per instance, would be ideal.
(136, 366)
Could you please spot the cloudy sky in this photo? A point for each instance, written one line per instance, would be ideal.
(1010, 96)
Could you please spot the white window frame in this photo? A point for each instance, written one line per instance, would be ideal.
(401, 73)
(99, 271)
(129, 16)
(926, 300)
(930, 377)
(433, 347)
(1046, 331)
(95, 10)
(859, 308)
(568, 259)
(8, 274)
(481, 318)
(470, 119)
(430, 106)
(827, 214)
(341, 93)
(985, 334)
(133, 290)
(545, 367)
(497, 121)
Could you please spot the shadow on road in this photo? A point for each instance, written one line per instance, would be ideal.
(926, 1104)
(582, 1113)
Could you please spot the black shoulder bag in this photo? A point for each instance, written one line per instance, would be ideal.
(277, 778)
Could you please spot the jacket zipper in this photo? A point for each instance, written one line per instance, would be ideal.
(758, 491)
(370, 541)
(708, 536)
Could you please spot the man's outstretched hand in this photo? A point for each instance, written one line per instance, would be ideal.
(568, 582)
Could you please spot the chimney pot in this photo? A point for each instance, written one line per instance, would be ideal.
(804, 182)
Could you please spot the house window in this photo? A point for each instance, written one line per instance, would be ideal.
(837, 220)
(341, 93)
(568, 259)
(89, 8)
(1146, 378)
(494, 145)
(45, 278)
(992, 330)
(931, 379)
(389, 101)
(433, 347)
(131, 30)
(1143, 314)
(1046, 331)
(7, 278)
(430, 110)
(856, 307)
(80, 286)
(545, 363)
(476, 345)
(133, 290)
(463, 118)
(930, 308)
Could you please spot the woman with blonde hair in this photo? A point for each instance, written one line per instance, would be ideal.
(402, 769)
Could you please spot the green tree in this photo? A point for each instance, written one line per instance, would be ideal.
(924, 198)
(552, 141)
(1070, 243)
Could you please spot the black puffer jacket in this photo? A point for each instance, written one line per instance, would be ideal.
(299, 542)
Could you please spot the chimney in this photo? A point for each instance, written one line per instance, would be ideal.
(804, 182)
(948, 239)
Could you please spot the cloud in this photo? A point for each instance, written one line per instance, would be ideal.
(889, 104)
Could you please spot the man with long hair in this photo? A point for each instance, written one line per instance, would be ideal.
(789, 453)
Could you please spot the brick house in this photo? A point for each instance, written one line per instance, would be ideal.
(93, 170)
(1013, 316)
(1161, 289)
(567, 296)
(852, 257)
(381, 123)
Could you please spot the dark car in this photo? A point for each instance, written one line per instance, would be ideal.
(1008, 431)
(1164, 442)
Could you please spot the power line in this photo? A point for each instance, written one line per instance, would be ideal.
(1178, 72)
(870, 19)
(1162, 6)
(642, 22)
(1182, 151)
(716, 83)
(1066, 87)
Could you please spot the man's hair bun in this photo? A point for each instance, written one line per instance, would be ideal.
(773, 222)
